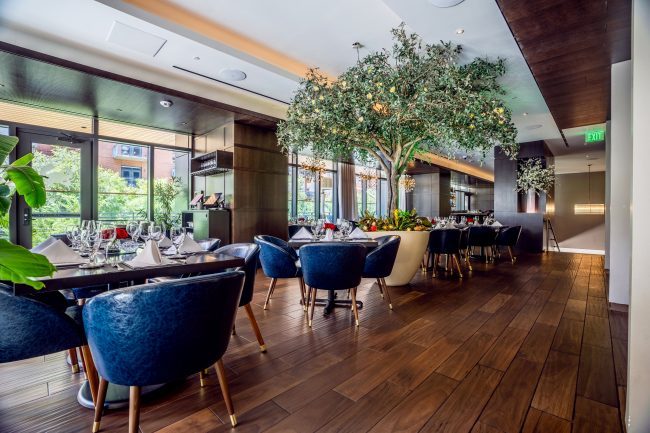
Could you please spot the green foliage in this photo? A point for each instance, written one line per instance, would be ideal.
(165, 193)
(531, 174)
(393, 104)
(18, 264)
(400, 220)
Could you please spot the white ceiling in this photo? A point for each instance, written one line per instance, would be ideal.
(305, 30)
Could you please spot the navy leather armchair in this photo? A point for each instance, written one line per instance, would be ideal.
(445, 242)
(138, 334)
(380, 261)
(332, 266)
(509, 237)
(250, 253)
(279, 260)
(483, 237)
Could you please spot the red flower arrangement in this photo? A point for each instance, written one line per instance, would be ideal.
(330, 226)
(470, 220)
(120, 233)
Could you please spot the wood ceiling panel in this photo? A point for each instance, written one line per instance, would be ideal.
(569, 47)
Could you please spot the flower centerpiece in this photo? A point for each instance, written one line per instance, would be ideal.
(401, 220)
(533, 179)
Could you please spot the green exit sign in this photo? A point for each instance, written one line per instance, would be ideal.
(594, 136)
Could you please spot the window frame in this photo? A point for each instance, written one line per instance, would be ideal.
(294, 166)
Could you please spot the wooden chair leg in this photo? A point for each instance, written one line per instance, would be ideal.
(225, 391)
(202, 378)
(390, 304)
(91, 372)
(434, 268)
(512, 257)
(381, 290)
(353, 292)
(74, 361)
(99, 405)
(456, 258)
(302, 293)
(312, 297)
(134, 409)
(256, 328)
(270, 292)
(469, 264)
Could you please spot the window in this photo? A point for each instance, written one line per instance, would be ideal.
(134, 151)
(171, 186)
(290, 195)
(311, 194)
(327, 196)
(4, 219)
(372, 194)
(131, 175)
(123, 190)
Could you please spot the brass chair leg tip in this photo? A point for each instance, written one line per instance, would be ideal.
(390, 306)
(263, 348)
(202, 382)
(356, 322)
(95, 426)
(310, 323)
(233, 420)
(206, 371)
(75, 368)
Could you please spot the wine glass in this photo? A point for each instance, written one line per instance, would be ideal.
(73, 234)
(145, 230)
(177, 235)
(132, 228)
(155, 231)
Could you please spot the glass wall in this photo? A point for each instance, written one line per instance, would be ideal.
(312, 194)
(327, 196)
(171, 185)
(372, 194)
(4, 219)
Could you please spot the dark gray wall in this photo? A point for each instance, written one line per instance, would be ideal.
(431, 194)
(578, 231)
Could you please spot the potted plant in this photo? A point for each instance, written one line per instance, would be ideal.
(17, 264)
(393, 105)
(165, 193)
(412, 229)
(532, 180)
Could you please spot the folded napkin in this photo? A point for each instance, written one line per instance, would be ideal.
(165, 242)
(303, 233)
(189, 245)
(329, 235)
(59, 254)
(357, 233)
(40, 247)
(497, 224)
(450, 225)
(149, 256)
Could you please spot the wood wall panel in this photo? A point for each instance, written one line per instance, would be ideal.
(260, 184)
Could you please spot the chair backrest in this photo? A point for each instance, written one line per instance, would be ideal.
(445, 241)
(250, 253)
(31, 328)
(277, 260)
(509, 236)
(481, 236)
(161, 332)
(380, 261)
(332, 265)
(212, 244)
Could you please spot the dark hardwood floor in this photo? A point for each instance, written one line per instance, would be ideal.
(530, 347)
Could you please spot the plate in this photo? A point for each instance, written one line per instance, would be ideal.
(91, 265)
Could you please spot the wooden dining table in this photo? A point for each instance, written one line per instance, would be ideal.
(114, 273)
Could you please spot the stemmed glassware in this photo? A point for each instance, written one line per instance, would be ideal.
(133, 229)
(155, 231)
(177, 235)
(344, 227)
(145, 230)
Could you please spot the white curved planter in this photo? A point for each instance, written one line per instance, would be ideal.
(409, 256)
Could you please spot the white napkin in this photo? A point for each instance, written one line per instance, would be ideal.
(189, 245)
(497, 224)
(149, 256)
(165, 242)
(357, 233)
(302, 234)
(58, 253)
(450, 225)
(40, 247)
(329, 235)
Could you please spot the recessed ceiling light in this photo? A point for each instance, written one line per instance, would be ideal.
(531, 127)
(525, 113)
(232, 75)
(445, 3)
(165, 103)
(460, 31)
(197, 58)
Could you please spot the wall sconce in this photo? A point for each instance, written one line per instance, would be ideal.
(589, 209)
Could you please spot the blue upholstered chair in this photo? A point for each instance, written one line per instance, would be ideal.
(32, 328)
(279, 260)
(445, 242)
(250, 253)
(380, 261)
(482, 237)
(508, 237)
(162, 332)
(211, 244)
(332, 266)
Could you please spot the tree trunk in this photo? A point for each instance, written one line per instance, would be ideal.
(393, 190)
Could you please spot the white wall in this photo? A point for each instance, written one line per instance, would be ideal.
(638, 391)
(608, 181)
(619, 154)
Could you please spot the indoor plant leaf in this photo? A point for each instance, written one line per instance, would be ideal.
(18, 264)
(28, 183)
(7, 144)
(5, 203)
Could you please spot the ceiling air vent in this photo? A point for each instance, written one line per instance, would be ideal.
(135, 39)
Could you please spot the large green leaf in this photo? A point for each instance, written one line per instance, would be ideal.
(5, 203)
(28, 183)
(19, 265)
(7, 144)
(24, 160)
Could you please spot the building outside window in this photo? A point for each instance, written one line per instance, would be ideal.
(131, 175)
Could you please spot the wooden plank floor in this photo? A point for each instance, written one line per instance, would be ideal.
(530, 347)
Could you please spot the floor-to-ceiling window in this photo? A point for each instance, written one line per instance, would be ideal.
(372, 191)
(312, 193)
(4, 219)
(171, 185)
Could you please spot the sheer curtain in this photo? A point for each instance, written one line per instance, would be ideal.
(347, 192)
